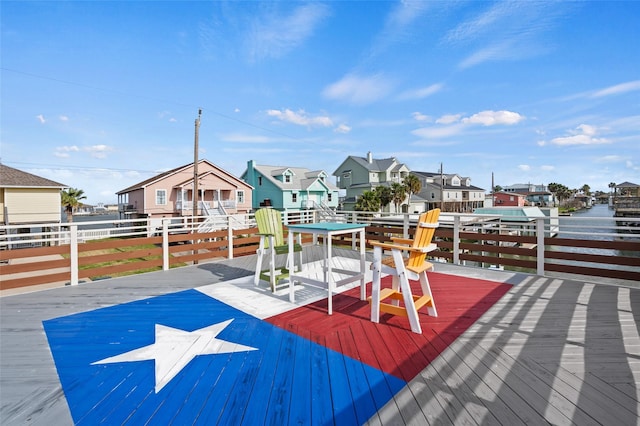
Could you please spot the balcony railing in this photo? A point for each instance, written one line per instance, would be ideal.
(595, 247)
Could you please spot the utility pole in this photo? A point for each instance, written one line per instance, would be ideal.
(194, 208)
(195, 166)
(441, 188)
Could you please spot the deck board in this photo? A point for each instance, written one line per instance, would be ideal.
(550, 351)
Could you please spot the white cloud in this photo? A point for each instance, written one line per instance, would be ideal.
(359, 90)
(507, 30)
(449, 119)
(41, 119)
(421, 92)
(584, 134)
(300, 118)
(96, 151)
(548, 168)
(342, 128)
(63, 118)
(611, 159)
(524, 167)
(277, 35)
(418, 116)
(618, 89)
(492, 118)
(438, 131)
(454, 124)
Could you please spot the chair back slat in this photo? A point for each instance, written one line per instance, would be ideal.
(270, 222)
(423, 236)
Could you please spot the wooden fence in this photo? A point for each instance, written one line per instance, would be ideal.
(62, 254)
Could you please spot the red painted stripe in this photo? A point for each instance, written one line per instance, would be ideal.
(390, 345)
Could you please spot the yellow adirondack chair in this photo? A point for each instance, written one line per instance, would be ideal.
(272, 242)
(403, 269)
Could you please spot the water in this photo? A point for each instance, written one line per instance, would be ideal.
(596, 223)
(593, 223)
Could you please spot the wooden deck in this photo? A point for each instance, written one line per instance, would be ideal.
(548, 351)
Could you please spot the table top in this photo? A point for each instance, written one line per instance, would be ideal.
(327, 226)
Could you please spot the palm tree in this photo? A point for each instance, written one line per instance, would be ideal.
(399, 193)
(383, 193)
(586, 189)
(70, 200)
(368, 202)
(612, 185)
(413, 185)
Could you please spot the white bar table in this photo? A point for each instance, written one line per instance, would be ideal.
(328, 230)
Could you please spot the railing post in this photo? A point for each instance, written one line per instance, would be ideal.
(229, 238)
(165, 244)
(456, 240)
(540, 245)
(73, 253)
(405, 226)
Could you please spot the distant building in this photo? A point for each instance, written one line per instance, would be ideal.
(536, 195)
(171, 194)
(450, 192)
(28, 199)
(359, 174)
(290, 188)
(508, 199)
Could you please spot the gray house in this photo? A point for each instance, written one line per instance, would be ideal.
(359, 174)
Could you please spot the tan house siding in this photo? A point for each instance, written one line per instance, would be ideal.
(2, 206)
(32, 205)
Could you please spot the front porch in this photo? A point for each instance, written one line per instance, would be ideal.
(529, 350)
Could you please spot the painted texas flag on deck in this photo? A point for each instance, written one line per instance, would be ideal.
(186, 358)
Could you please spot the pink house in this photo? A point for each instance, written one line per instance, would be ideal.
(170, 194)
(509, 199)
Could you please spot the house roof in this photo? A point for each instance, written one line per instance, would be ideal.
(377, 165)
(627, 185)
(301, 178)
(512, 214)
(156, 178)
(10, 177)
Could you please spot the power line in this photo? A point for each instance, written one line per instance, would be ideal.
(88, 169)
(133, 95)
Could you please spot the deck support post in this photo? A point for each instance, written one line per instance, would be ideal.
(73, 253)
(540, 246)
(229, 238)
(456, 240)
(165, 244)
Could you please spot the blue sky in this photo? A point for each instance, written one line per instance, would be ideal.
(102, 95)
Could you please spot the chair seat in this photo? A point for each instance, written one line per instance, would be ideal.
(284, 249)
(426, 266)
(389, 293)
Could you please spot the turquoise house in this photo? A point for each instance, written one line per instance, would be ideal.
(290, 188)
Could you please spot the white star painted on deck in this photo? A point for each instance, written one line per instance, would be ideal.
(174, 349)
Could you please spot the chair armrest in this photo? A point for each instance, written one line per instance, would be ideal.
(398, 240)
(266, 234)
(388, 246)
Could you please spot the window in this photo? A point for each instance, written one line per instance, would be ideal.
(259, 180)
(329, 197)
(287, 178)
(161, 197)
(294, 197)
(240, 197)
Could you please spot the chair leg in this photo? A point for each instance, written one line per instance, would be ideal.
(375, 285)
(409, 304)
(260, 253)
(272, 264)
(426, 289)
